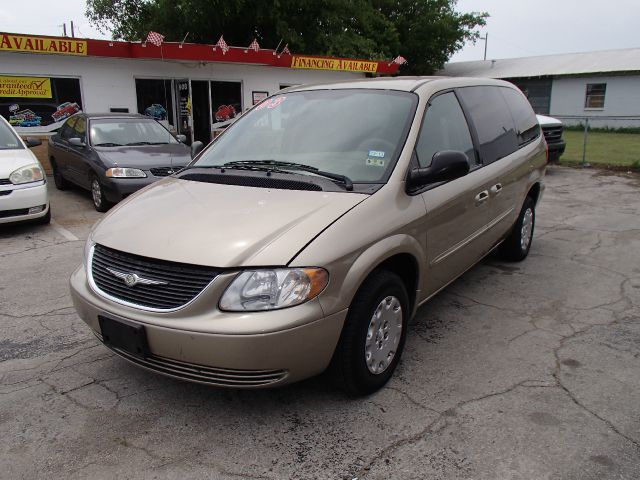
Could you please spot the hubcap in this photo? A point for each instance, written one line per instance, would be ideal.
(383, 335)
(527, 229)
(96, 192)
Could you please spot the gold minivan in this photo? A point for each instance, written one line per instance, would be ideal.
(308, 233)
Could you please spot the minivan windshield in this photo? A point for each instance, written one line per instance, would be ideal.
(356, 133)
(8, 139)
(117, 132)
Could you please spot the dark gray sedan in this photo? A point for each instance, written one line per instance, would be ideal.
(114, 155)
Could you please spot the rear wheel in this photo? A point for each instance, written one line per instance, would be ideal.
(100, 202)
(516, 246)
(373, 336)
(58, 179)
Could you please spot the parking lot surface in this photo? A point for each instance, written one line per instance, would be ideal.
(515, 371)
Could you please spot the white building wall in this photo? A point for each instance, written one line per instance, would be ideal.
(622, 98)
(110, 82)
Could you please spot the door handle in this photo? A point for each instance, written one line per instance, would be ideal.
(482, 197)
(496, 189)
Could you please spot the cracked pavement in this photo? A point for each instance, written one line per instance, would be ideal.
(515, 371)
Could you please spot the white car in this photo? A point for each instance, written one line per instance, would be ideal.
(23, 185)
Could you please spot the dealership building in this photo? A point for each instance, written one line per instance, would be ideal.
(192, 88)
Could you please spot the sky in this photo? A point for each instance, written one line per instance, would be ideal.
(516, 28)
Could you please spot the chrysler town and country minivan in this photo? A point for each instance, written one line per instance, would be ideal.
(308, 233)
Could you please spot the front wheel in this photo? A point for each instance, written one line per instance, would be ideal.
(100, 202)
(516, 246)
(58, 179)
(373, 337)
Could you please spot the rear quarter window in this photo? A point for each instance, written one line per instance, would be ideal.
(492, 119)
(527, 127)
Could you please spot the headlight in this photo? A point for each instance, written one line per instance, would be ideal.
(125, 173)
(28, 174)
(273, 289)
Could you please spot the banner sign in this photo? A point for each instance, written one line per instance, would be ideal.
(316, 63)
(25, 87)
(23, 43)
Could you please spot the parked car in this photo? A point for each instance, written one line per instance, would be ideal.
(65, 110)
(552, 129)
(309, 232)
(114, 155)
(23, 184)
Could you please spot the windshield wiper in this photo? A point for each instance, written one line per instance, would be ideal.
(348, 184)
(138, 143)
(108, 144)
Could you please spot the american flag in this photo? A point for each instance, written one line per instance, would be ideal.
(400, 60)
(285, 50)
(254, 45)
(222, 45)
(155, 38)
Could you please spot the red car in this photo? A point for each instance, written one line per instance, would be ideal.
(225, 112)
(65, 110)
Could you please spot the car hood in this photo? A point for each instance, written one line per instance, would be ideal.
(146, 156)
(11, 160)
(220, 225)
(545, 121)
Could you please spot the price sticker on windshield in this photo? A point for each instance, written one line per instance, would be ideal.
(271, 103)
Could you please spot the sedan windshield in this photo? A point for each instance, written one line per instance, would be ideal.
(116, 132)
(8, 139)
(355, 133)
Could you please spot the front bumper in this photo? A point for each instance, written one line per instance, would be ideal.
(15, 205)
(116, 189)
(199, 343)
(556, 149)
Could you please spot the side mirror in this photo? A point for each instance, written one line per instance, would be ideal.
(31, 142)
(77, 142)
(445, 165)
(196, 148)
(181, 138)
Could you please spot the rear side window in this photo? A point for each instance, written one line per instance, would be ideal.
(526, 122)
(497, 136)
(444, 128)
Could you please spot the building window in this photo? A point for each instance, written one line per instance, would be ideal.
(155, 99)
(226, 101)
(595, 95)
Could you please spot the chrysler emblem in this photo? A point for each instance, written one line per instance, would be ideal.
(132, 279)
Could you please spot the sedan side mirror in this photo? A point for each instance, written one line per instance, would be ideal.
(196, 148)
(77, 142)
(31, 142)
(181, 138)
(446, 165)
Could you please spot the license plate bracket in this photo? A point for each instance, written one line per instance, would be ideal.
(127, 336)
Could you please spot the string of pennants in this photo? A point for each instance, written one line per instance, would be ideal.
(156, 39)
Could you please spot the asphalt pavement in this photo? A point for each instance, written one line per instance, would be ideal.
(516, 371)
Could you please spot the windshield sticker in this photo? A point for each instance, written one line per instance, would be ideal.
(375, 162)
(376, 153)
(271, 103)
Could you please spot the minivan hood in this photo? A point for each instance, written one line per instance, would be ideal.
(11, 160)
(220, 225)
(146, 156)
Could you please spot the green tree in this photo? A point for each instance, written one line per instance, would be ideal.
(426, 32)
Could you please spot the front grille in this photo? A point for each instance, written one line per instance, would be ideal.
(183, 281)
(164, 171)
(5, 181)
(14, 213)
(552, 134)
(220, 377)
(5, 192)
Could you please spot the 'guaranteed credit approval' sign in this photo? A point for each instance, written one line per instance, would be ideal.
(316, 63)
(23, 43)
(25, 87)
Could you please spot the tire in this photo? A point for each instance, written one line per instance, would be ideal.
(515, 247)
(356, 367)
(58, 179)
(44, 220)
(100, 202)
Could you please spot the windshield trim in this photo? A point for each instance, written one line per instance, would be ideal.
(402, 139)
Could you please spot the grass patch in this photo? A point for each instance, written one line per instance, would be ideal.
(603, 149)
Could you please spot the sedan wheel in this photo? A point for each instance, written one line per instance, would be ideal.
(97, 194)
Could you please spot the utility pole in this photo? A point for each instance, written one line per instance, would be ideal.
(486, 41)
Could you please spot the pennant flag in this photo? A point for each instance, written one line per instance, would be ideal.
(285, 50)
(254, 45)
(400, 60)
(154, 38)
(223, 45)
